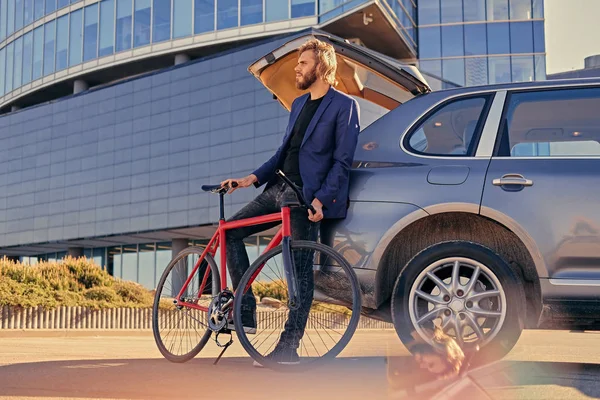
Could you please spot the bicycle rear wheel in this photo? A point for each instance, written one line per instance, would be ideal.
(331, 310)
(181, 331)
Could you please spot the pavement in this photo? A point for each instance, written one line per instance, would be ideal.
(127, 365)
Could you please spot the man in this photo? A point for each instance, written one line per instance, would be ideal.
(316, 154)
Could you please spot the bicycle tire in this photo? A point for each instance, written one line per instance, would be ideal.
(216, 288)
(352, 325)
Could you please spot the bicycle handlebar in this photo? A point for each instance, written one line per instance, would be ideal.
(296, 190)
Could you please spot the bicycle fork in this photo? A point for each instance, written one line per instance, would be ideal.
(288, 261)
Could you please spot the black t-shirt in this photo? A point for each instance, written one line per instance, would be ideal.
(291, 167)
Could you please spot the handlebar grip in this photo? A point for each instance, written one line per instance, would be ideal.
(234, 184)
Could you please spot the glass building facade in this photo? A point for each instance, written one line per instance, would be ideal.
(477, 42)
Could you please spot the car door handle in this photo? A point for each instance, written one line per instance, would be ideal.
(512, 180)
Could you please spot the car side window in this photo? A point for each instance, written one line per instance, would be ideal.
(449, 131)
(552, 123)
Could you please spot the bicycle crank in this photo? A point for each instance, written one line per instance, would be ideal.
(219, 310)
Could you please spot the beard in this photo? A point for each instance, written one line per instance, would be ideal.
(306, 81)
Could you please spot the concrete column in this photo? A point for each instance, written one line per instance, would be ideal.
(180, 271)
(75, 252)
(181, 58)
(80, 86)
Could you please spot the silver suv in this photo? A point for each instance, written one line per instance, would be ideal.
(474, 209)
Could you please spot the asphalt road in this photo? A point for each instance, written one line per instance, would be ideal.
(543, 365)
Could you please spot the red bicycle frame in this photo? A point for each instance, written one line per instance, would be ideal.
(218, 241)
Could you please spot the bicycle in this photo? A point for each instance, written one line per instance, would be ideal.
(201, 295)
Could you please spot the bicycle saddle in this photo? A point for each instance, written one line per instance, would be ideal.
(218, 189)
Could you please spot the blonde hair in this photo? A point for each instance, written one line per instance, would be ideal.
(326, 59)
(444, 346)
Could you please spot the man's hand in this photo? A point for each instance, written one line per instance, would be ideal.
(318, 206)
(241, 183)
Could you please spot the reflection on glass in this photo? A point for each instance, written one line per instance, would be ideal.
(3, 11)
(75, 38)
(475, 39)
(522, 69)
(99, 257)
(60, 4)
(62, 42)
(303, 8)
(129, 266)
(161, 25)
(498, 38)
(107, 28)
(124, 25)
(163, 258)
(49, 42)
(520, 9)
(141, 23)
(276, 10)
(204, 16)
(499, 70)
(227, 14)
(538, 8)
(38, 9)
(252, 12)
(27, 57)
(430, 45)
(18, 62)
(324, 5)
(51, 5)
(146, 265)
(539, 44)
(497, 10)
(11, 17)
(90, 34)
(38, 52)
(27, 12)
(474, 10)
(476, 71)
(182, 18)
(113, 264)
(429, 12)
(454, 71)
(452, 41)
(540, 68)
(521, 37)
(452, 11)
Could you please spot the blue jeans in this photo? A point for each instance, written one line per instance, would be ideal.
(268, 202)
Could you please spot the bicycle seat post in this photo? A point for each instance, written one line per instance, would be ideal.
(221, 206)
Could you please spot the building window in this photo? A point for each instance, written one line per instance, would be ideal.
(571, 111)
(49, 50)
(475, 39)
(2, 70)
(129, 267)
(90, 35)
(204, 16)
(499, 70)
(107, 28)
(141, 23)
(497, 10)
(538, 8)
(474, 10)
(38, 11)
(18, 63)
(163, 258)
(38, 52)
(276, 10)
(498, 38)
(521, 37)
(11, 17)
(540, 68)
(28, 12)
(452, 11)
(182, 18)
(123, 25)
(161, 26)
(10, 53)
(76, 38)
(60, 4)
(453, 70)
(430, 42)
(452, 41)
(252, 12)
(18, 14)
(27, 57)
(520, 9)
(113, 262)
(147, 266)
(476, 71)
(429, 12)
(62, 42)
(3, 12)
(450, 130)
(51, 5)
(227, 14)
(303, 8)
(522, 69)
(539, 40)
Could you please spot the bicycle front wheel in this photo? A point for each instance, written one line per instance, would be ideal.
(312, 332)
(180, 326)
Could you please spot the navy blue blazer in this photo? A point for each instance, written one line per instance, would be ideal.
(326, 152)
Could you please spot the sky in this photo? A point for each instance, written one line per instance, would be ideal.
(572, 33)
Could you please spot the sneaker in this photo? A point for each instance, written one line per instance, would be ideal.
(281, 355)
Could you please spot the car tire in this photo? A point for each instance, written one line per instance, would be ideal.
(498, 334)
